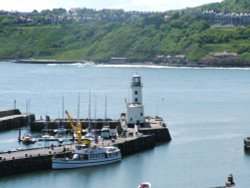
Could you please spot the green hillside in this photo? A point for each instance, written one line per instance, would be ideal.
(230, 6)
(138, 38)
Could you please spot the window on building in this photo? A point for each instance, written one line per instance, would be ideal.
(137, 122)
(136, 92)
(136, 100)
(141, 114)
(131, 119)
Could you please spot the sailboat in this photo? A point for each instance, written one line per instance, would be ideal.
(46, 136)
(61, 131)
(27, 138)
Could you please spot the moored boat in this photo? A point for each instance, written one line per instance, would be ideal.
(47, 137)
(144, 185)
(230, 181)
(86, 157)
(27, 139)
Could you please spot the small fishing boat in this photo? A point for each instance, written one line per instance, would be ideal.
(86, 157)
(27, 139)
(230, 181)
(144, 185)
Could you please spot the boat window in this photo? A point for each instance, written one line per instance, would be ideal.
(86, 157)
(110, 154)
(75, 156)
(101, 155)
(83, 157)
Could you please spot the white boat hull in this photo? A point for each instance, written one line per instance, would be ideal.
(70, 163)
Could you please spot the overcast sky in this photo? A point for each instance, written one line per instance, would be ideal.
(140, 5)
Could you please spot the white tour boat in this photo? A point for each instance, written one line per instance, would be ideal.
(85, 157)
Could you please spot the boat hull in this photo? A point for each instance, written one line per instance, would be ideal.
(70, 163)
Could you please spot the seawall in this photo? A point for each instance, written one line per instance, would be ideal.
(28, 163)
(5, 113)
(136, 145)
(24, 161)
(39, 125)
(11, 119)
(161, 134)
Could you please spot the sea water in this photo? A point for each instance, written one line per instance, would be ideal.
(206, 110)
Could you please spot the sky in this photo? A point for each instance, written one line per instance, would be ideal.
(139, 5)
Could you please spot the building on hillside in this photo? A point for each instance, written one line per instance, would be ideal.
(118, 60)
(224, 54)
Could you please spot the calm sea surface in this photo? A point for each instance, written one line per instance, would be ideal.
(207, 112)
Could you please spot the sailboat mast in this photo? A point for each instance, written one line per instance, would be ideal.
(62, 107)
(95, 107)
(105, 115)
(78, 108)
(89, 109)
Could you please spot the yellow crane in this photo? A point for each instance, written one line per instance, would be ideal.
(77, 129)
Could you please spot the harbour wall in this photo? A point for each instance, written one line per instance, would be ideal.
(11, 119)
(26, 164)
(137, 145)
(33, 160)
(9, 113)
(161, 134)
(39, 125)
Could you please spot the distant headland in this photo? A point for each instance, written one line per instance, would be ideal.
(216, 34)
(206, 62)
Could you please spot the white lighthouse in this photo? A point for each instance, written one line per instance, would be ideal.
(135, 108)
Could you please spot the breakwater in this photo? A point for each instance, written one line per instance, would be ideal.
(11, 119)
(24, 165)
(18, 162)
(132, 146)
(24, 161)
(39, 125)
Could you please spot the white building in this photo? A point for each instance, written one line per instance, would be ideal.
(135, 108)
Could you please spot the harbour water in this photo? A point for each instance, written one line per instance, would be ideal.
(207, 112)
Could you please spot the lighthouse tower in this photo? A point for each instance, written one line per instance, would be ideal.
(135, 108)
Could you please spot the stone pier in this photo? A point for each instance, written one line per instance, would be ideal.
(11, 119)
